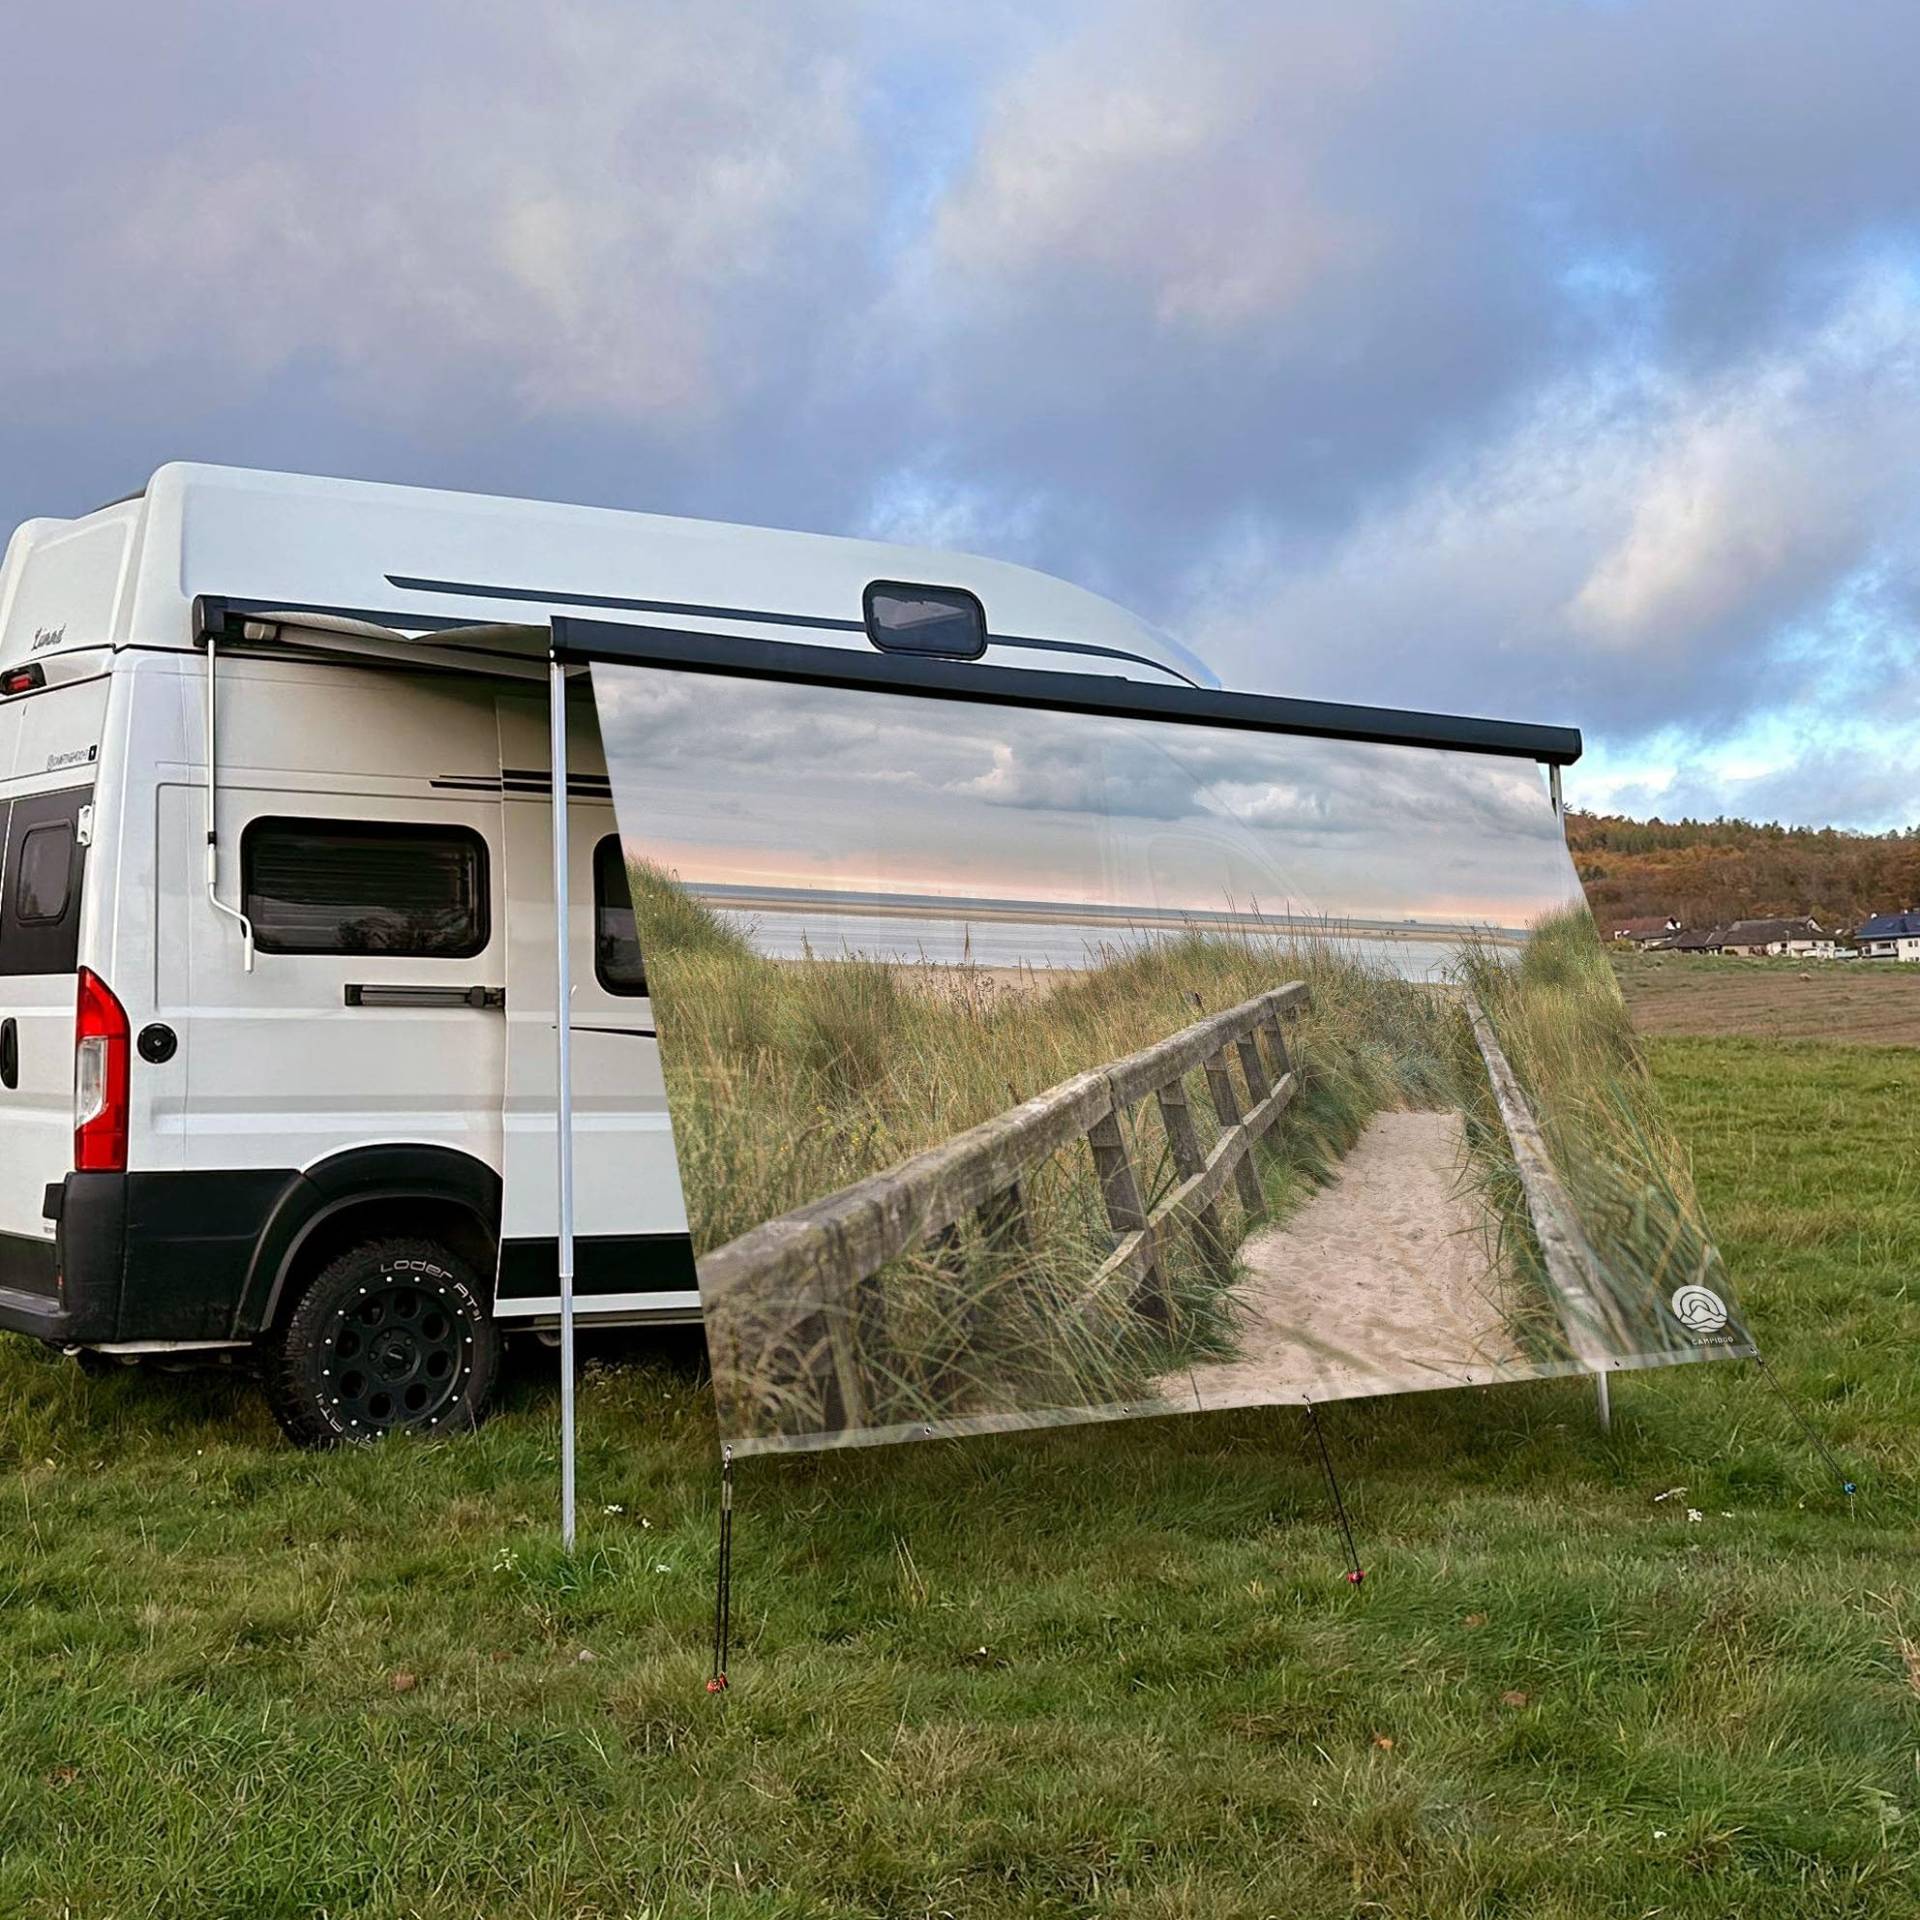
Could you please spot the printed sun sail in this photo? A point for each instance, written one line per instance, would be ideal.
(1030, 1066)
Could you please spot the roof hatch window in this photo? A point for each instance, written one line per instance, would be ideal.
(947, 622)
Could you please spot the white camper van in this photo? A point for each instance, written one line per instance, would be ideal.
(277, 949)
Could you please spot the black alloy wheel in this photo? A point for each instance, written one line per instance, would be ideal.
(391, 1335)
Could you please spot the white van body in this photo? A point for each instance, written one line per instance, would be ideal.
(366, 1078)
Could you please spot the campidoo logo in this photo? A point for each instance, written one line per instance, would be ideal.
(1699, 1309)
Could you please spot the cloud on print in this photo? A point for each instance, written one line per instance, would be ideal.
(734, 783)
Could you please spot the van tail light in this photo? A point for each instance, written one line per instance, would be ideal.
(100, 1060)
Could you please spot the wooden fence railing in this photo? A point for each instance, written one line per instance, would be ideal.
(812, 1268)
(1572, 1265)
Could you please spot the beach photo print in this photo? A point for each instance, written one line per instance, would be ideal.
(1031, 1066)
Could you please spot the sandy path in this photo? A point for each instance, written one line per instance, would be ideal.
(1378, 1283)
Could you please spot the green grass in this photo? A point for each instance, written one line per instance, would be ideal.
(1111, 1670)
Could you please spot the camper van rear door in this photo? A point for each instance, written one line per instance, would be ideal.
(42, 873)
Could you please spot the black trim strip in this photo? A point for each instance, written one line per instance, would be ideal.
(539, 780)
(1087, 647)
(618, 603)
(760, 616)
(30, 1264)
(580, 786)
(391, 993)
(602, 1263)
(785, 660)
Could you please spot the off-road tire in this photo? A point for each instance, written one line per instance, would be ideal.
(392, 1335)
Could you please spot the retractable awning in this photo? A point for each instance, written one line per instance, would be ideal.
(565, 646)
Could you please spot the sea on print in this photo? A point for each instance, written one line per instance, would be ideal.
(786, 923)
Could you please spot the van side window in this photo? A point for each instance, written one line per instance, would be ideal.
(44, 864)
(616, 942)
(364, 886)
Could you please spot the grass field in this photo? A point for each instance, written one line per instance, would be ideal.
(1875, 1002)
(1113, 1670)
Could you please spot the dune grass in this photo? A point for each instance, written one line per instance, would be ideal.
(1112, 1670)
(1562, 1023)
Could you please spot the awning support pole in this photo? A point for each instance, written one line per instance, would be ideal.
(1602, 1393)
(563, 1105)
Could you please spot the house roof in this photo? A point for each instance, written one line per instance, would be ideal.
(1761, 933)
(1695, 940)
(1890, 926)
(1642, 929)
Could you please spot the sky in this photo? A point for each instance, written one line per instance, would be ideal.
(1552, 359)
(747, 783)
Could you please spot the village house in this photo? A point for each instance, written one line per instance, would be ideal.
(1646, 933)
(1890, 936)
(1691, 940)
(1802, 938)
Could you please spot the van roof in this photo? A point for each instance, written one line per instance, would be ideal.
(416, 558)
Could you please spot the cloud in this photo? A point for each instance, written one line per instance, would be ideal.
(1093, 770)
(590, 209)
(1638, 547)
(1553, 360)
(1152, 109)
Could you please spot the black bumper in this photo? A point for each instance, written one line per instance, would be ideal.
(138, 1256)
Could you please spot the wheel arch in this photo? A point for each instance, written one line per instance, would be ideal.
(370, 1193)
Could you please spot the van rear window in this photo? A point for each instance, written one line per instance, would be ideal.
(42, 864)
(364, 886)
(44, 883)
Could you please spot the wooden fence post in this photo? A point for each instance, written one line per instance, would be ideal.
(1277, 1046)
(1005, 1233)
(1126, 1211)
(1189, 1162)
(1258, 1086)
(825, 1348)
(1226, 1107)
(1003, 1220)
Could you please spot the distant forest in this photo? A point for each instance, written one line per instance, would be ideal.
(1708, 872)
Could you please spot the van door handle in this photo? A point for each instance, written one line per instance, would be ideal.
(9, 1053)
(384, 995)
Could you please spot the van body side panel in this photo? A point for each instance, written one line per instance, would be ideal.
(300, 1058)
